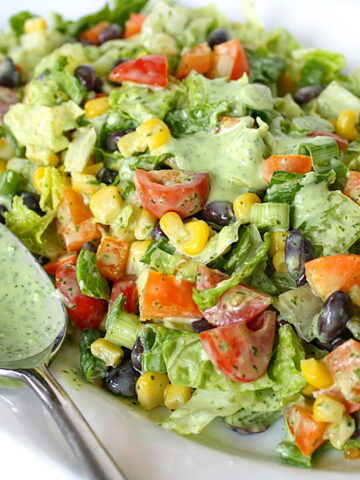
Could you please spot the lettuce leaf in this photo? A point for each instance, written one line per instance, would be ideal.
(335, 98)
(265, 68)
(80, 149)
(194, 119)
(28, 226)
(17, 21)
(251, 256)
(54, 182)
(329, 219)
(89, 278)
(284, 369)
(202, 408)
(141, 102)
(161, 258)
(43, 127)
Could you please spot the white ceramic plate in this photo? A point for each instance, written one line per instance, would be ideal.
(30, 443)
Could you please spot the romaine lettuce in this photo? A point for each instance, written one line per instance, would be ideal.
(28, 226)
(54, 182)
(89, 278)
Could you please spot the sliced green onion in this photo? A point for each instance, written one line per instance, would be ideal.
(271, 216)
(325, 156)
(122, 328)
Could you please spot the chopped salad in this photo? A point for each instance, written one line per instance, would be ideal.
(192, 184)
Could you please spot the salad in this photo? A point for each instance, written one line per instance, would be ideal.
(192, 185)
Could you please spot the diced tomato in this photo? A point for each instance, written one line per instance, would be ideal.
(134, 25)
(344, 365)
(162, 191)
(342, 143)
(352, 187)
(241, 351)
(147, 70)
(75, 222)
(92, 34)
(86, 312)
(285, 163)
(111, 257)
(229, 60)
(208, 277)
(66, 259)
(166, 296)
(198, 58)
(329, 274)
(239, 304)
(334, 392)
(126, 286)
(308, 434)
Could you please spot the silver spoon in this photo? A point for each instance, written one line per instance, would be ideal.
(26, 350)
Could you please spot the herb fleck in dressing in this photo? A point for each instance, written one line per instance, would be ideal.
(30, 318)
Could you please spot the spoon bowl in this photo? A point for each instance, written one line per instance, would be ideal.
(33, 324)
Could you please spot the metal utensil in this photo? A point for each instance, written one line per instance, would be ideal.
(94, 459)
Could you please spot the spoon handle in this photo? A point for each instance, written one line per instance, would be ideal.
(93, 458)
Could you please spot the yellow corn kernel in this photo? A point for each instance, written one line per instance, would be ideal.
(82, 183)
(176, 395)
(308, 390)
(106, 204)
(339, 433)
(109, 353)
(137, 251)
(150, 389)
(346, 124)
(352, 453)
(2, 166)
(198, 235)
(96, 106)
(354, 294)
(38, 178)
(279, 262)
(131, 143)
(7, 151)
(277, 242)
(172, 225)
(286, 84)
(243, 205)
(93, 169)
(34, 24)
(327, 409)
(316, 373)
(47, 157)
(155, 133)
(144, 224)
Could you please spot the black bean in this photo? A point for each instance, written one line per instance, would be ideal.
(333, 317)
(201, 325)
(219, 212)
(356, 417)
(32, 201)
(41, 259)
(136, 354)
(112, 32)
(89, 246)
(112, 139)
(106, 175)
(330, 346)
(305, 94)
(88, 78)
(9, 74)
(217, 36)
(157, 233)
(298, 251)
(3, 210)
(121, 380)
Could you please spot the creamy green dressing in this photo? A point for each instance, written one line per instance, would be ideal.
(30, 318)
(233, 159)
